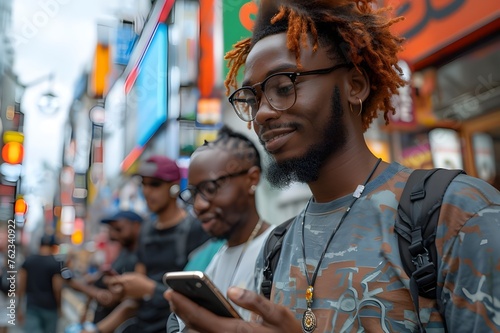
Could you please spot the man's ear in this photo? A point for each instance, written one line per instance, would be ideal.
(254, 173)
(358, 85)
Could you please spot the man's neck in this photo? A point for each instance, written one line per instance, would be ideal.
(132, 247)
(242, 234)
(44, 251)
(170, 217)
(346, 171)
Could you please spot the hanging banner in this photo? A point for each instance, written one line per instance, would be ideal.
(238, 19)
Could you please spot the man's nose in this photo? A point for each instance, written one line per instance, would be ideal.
(265, 111)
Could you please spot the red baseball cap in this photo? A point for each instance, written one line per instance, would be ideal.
(160, 167)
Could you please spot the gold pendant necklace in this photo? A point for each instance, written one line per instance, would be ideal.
(309, 318)
(309, 322)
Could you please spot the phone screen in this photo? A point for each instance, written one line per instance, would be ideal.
(198, 287)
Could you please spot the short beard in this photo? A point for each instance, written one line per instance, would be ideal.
(305, 169)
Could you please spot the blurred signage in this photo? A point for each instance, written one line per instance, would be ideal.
(149, 94)
(6, 205)
(484, 156)
(207, 77)
(101, 68)
(380, 149)
(403, 101)
(205, 135)
(469, 85)
(159, 13)
(445, 148)
(12, 155)
(125, 40)
(238, 20)
(67, 220)
(188, 13)
(209, 111)
(77, 236)
(432, 25)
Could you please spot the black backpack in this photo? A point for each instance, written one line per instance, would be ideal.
(418, 214)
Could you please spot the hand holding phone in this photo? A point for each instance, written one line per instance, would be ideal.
(197, 286)
(110, 272)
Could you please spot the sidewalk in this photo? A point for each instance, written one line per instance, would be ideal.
(72, 306)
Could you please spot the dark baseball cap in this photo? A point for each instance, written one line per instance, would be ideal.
(123, 214)
(160, 167)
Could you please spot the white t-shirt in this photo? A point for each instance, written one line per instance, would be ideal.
(235, 266)
(224, 264)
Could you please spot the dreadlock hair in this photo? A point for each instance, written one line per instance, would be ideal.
(354, 32)
(236, 144)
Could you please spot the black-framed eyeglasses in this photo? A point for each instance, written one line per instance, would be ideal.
(279, 89)
(208, 188)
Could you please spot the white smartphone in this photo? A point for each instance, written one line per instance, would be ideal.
(197, 286)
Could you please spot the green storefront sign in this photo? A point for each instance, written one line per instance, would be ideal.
(238, 19)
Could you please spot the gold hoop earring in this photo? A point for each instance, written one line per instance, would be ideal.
(360, 106)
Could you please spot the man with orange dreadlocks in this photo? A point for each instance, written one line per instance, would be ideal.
(317, 72)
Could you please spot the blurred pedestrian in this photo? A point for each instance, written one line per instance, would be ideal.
(40, 283)
(124, 228)
(223, 177)
(165, 243)
(4, 291)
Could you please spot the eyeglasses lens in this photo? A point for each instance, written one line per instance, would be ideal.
(187, 195)
(279, 91)
(206, 189)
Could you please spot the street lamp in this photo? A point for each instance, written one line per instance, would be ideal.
(48, 103)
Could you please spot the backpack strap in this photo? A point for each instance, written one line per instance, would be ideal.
(271, 253)
(418, 214)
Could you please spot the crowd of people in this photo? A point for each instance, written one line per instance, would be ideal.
(316, 74)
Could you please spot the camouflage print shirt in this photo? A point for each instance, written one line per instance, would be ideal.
(361, 285)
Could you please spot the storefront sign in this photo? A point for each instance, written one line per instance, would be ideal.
(403, 101)
(416, 151)
(238, 20)
(207, 77)
(125, 40)
(431, 25)
(445, 148)
(484, 156)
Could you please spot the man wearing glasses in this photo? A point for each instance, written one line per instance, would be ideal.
(165, 243)
(223, 177)
(316, 75)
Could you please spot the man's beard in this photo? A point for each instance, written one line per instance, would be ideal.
(306, 168)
